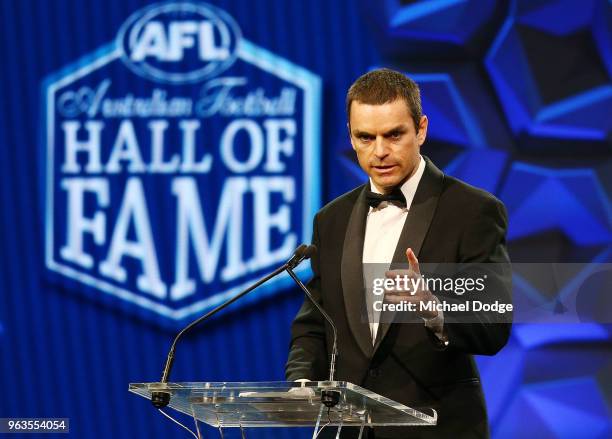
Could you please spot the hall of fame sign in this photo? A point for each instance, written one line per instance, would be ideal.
(181, 162)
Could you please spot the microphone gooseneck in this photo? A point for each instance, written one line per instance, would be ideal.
(161, 398)
(328, 397)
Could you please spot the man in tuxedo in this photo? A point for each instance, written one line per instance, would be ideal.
(408, 212)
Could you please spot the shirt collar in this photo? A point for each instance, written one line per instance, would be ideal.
(410, 186)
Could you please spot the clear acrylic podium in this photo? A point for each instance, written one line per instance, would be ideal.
(285, 404)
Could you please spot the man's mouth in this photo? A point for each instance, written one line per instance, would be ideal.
(384, 168)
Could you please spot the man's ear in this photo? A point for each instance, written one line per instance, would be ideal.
(423, 123)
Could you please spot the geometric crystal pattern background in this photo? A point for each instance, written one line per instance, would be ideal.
(550, 65)
(524, 111)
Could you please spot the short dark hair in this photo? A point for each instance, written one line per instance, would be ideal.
(382, 86)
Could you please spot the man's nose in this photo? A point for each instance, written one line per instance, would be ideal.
(381, 149)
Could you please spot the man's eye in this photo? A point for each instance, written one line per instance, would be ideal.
(395, 136)
(364, 138)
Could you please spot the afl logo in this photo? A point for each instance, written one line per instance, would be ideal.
(182, 42)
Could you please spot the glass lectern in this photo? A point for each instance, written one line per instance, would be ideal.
(285, 404)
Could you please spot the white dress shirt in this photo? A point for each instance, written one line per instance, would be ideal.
(384, 226)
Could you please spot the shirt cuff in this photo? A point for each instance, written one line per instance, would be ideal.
(436, 325)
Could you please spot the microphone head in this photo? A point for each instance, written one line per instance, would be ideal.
(301, 251)
(310, 251)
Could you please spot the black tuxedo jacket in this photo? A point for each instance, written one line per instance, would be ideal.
(448, 222)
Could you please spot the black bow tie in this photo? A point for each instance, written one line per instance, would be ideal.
(396, 197)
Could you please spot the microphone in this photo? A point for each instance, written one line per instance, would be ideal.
(161, 398)
(328, 397)
(302, 252)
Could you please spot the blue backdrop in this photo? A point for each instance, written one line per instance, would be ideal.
(519, 97)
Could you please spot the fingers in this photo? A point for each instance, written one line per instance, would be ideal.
(399, 298)
(413, 262)
(413, 267)
(419, 297)
(392, 274)
(407, 280)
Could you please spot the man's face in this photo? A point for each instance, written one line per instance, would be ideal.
(386, 142)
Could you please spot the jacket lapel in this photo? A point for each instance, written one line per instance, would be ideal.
(352, 275)
(415, 228)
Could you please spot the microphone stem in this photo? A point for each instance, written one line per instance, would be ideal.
(332, 365)
(170, 359)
